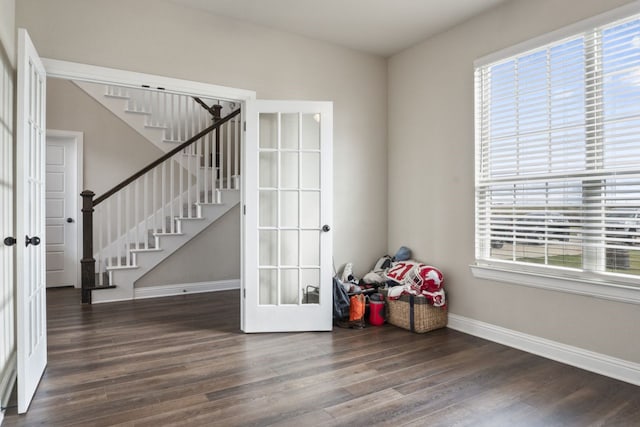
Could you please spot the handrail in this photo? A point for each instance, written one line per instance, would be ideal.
(169, 154)
(214, 111)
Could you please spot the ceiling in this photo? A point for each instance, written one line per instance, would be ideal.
(382, 27)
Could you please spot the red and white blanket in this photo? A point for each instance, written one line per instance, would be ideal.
(416, 278)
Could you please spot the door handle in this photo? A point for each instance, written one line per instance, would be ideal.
(69, 220)
(10, 241)
(35, 241)
(326, 228)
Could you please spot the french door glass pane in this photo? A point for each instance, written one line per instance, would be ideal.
(268, 288)
(268, 248)
(268, 130)
(289, 209)
(268, 170)
(290, 131)
(310, 281)
(289, 170)
(310, 209)
(289, 247)
(310, 170)
(289, 286)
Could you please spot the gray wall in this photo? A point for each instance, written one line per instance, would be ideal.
(214, 254)
(112, 149)
(190, 44)
(8, 28)
(431, 163)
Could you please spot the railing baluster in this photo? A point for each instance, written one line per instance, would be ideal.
(119, 233)
(164, 197)
(227, 127)
(221, 159)
(189, 176)
(236, 151)
(145, 211)
(127, 225)
(171, 195)
(172, 117)
(109, 248)
(136, 216)
(206, 170)
(99, 222)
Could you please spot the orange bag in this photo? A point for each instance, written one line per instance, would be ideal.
(356, 308)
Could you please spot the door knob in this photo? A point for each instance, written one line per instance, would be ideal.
(69, 220)
(10, 241)
(326, 228)
(35, 241)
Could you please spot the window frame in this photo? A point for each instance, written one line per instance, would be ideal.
(609, 286)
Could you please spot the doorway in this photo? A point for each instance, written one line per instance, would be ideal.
(62, 210)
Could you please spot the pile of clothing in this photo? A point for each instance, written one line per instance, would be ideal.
(400, 275)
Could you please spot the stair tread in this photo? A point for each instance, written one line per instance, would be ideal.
(120, 267)
(146, 250)
(97, 288)
(146, 113)
(117, 96)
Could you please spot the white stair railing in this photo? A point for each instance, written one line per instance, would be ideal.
(180, 116)
(133, 215)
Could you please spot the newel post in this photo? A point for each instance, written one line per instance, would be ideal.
(87, 263)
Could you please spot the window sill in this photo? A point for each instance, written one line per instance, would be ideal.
(558, 282)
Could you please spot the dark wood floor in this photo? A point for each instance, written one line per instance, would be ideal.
(183, 361)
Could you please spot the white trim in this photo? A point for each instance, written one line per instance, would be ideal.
(104, 75)
(613, 367)
(185, 288)
(572, 285)
(78, 140)
(7, 382)
(562, 33)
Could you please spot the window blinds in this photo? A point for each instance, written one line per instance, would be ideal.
(558, 153)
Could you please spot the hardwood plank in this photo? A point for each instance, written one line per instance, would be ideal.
(183, 361)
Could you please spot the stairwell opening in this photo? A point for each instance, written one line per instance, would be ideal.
(175, 229)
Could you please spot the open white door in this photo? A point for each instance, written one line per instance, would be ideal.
(31, 318)
(287, 184)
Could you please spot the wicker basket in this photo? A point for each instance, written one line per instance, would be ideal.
(415, 314)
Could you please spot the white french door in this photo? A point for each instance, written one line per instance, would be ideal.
(287, 185)
(31, 319)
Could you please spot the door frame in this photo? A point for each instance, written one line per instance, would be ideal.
(67, 70)
(103, 75)
(77, 140)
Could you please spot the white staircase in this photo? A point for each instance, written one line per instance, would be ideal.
(158, 210)
(163, 118)
(118, 279)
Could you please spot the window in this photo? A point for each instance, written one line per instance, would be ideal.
(558, 156)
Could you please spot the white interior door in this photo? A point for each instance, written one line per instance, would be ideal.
(30, 188)
(7, 232)
(288, 196)
(62, 194)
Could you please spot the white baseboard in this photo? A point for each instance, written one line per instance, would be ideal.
(185, 288)
(7, 382)
(613, 367)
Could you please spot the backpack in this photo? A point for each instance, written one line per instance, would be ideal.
(340, 301)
